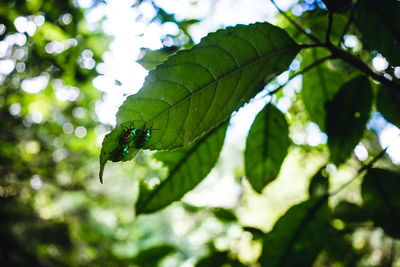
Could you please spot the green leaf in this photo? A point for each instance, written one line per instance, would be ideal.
(152, 58)
(378, 22)
(346, 117)
(215, 259)
(380, 191)
(388, 104)
(349, 212)
(224, 215)
(297, 236)
(257, 233)
(194, 90)
(319, 85)
(319, 184)
(187, 167)
(266, 147)
(151, 256)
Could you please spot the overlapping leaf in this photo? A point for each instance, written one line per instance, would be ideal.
(381, 197)
(266, 147)
(347, 115)
(194, 90)
(378, 21)
(297, 236)
(388, 103)
(187, 166)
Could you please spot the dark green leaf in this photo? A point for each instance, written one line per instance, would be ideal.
(378, 21)
(224, 215)
(381, 197)
(152, 58)
(266, 147)
(297, 236)
(151, 256)
(187, 166)
(388, 104)
(334, 5)
(349, 212)
(347, 115)
(215, 259)
(319, 85)
(257, 233)
(194, 90)
(319, 184)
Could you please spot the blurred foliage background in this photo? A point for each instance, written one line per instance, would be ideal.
(54, 211)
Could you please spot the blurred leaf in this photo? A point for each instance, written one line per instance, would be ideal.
(152, 58)
(298, 235)
(195, 90)
(266, 147)
(225, 215)
(151, 256)
(380, 191)
(257, 233)
(388, 104)
(349, 212)
(187, 167)
(346, 117)
(215, 259)
(319, 85)
(319, 184)
(378, 22)
(334, 5)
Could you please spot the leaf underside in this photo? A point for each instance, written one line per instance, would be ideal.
(266, 147)
(194, 90)
(187, 167)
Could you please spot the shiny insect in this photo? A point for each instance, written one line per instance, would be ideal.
(127, 135)
(119, 153)
(143, 139)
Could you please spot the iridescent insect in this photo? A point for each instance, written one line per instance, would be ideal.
(119, 153)
(143, 139)
(127, 135)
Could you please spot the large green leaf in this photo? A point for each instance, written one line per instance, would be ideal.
(378, 21)
(319, 85)
(297, 236)
(349, 212)
(152, 58)
(381, 197)
(346, 116)
(187, 166)
(388, 104)
(266, 147)
(152, 255)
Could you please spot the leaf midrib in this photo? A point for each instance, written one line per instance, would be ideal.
(223, 77)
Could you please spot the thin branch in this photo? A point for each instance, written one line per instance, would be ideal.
(349, 21)
(361, 170)
(328, 31)
(309, 35)
(302, 71)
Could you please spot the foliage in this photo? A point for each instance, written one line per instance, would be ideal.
(55, 213)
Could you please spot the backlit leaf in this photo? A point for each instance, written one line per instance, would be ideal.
(266, 147)
(347, 115)
(380, 191)
(297, 236)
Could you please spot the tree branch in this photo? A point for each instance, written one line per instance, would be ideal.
(294, 23)
(328, 31)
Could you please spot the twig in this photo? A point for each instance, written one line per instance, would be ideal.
(328, 31)
(361, 170)
(302, 71)
(309, 35)
(349, 21)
